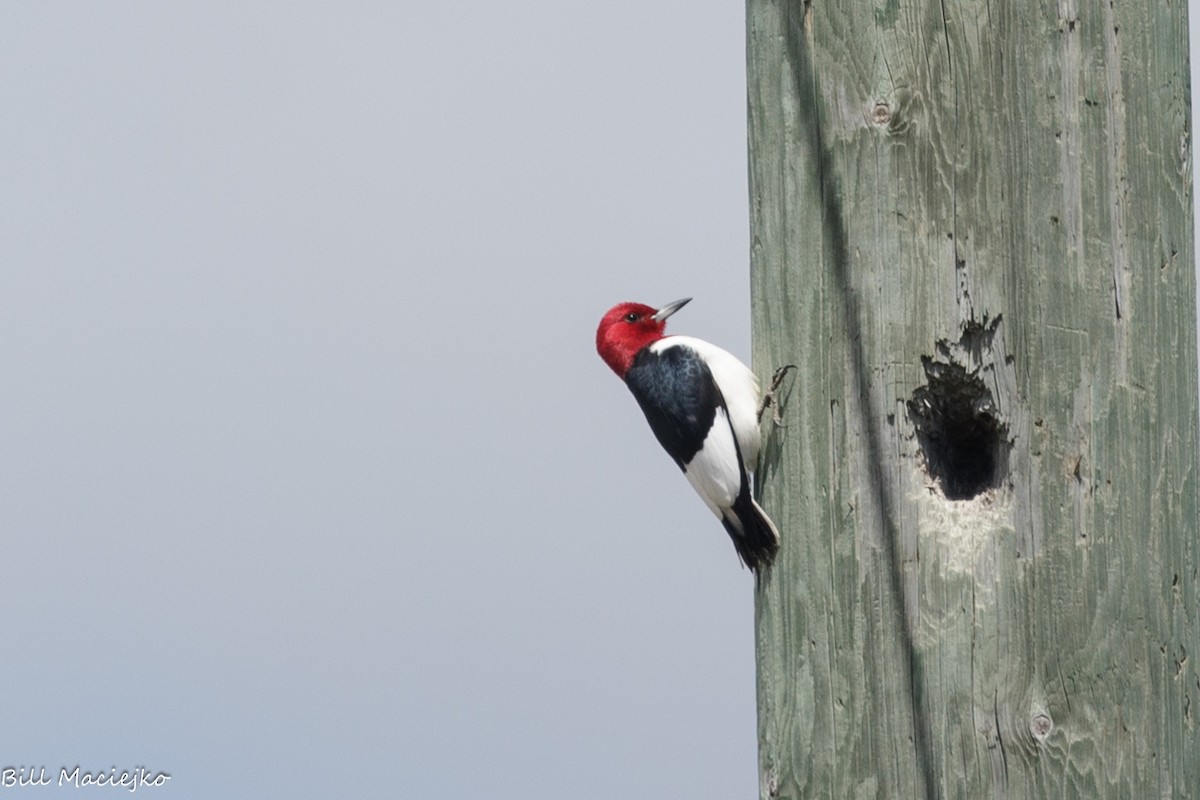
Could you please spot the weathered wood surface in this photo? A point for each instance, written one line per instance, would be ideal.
(915, 166)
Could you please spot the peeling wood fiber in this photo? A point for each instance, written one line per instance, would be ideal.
(916, 168)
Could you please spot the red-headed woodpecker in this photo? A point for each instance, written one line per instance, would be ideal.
(702, 404)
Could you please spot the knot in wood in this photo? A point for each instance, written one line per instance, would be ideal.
(1040, 726)
(881, 114)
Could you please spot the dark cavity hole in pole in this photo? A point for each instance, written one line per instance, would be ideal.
(963, 440)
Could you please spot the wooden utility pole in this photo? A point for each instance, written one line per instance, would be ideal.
(972, 233)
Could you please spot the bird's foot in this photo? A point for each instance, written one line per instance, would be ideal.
(769, 398)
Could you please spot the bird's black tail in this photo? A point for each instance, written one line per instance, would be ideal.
(754, 535)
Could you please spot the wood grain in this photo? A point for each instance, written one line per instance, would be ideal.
(915, 168)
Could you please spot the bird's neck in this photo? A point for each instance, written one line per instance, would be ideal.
(619, 355)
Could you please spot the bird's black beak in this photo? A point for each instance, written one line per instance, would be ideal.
(669, 309)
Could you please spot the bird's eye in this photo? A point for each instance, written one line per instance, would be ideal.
(631, 317)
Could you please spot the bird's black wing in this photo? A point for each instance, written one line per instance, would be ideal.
(679, 397)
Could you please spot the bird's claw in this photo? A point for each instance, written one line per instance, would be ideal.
(769, 396)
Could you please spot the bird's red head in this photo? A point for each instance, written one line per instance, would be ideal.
(627, 328)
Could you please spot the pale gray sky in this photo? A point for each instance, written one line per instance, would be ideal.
(313, 484)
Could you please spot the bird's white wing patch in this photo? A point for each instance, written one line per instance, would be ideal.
(714, 472)
(738, 385)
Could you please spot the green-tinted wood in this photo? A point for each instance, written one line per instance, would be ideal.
(915, 166)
